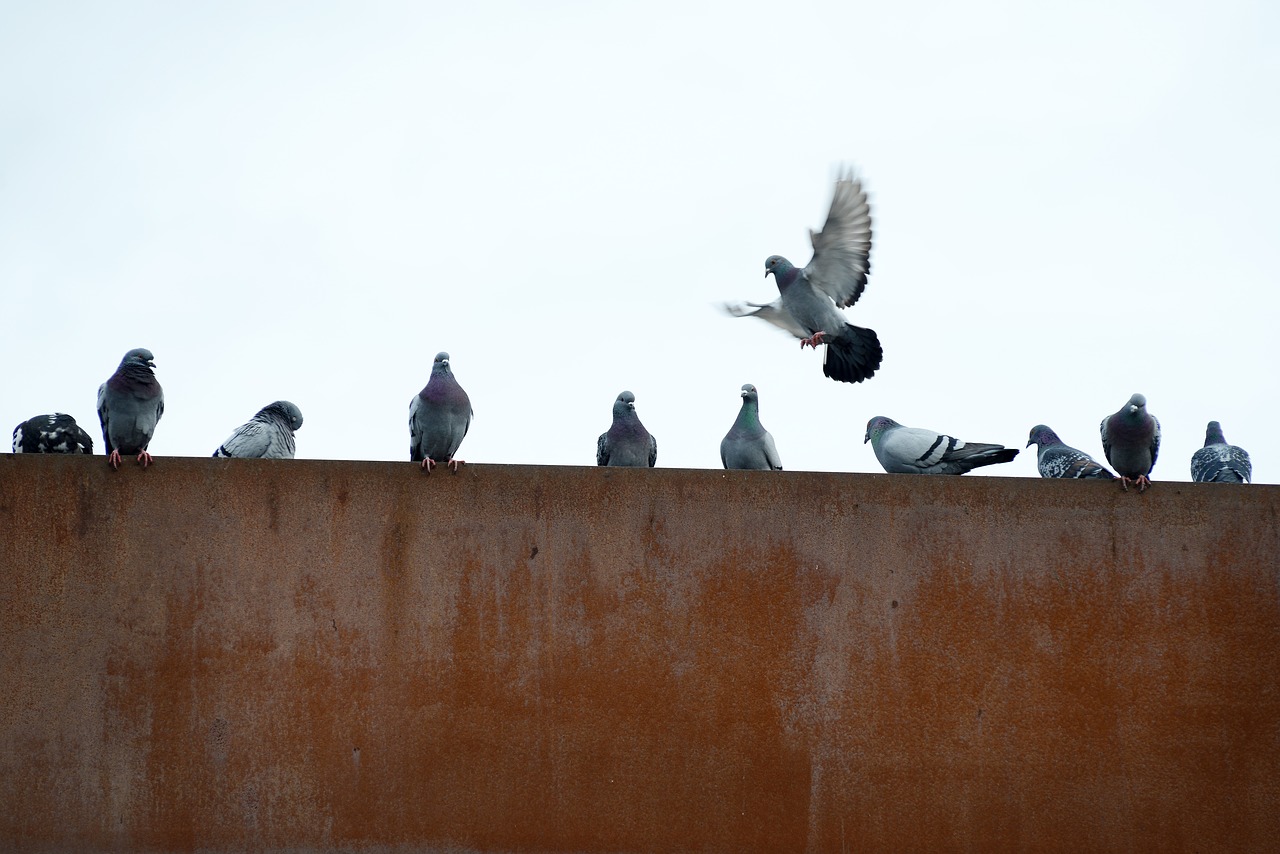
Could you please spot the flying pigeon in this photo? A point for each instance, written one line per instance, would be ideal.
(626, 442)
(130, 404)
(912, 450)
(810, 298)
(1055, 459)
(439, 416)
(748, 445)
(1218, 462)
(51, 434)
(1131, 440)
(267, 435)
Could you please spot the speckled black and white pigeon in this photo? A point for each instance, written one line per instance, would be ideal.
(1218, 462)
(626, 442)
(439, 417)
(810, 298)
(748, 445)
(266, 436)
(51, 434)
(130, 404)
(913, 450)
(1131, 441)
(1054, 458)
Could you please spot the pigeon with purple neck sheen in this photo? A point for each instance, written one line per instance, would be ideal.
(1054, 458)
(626, 442)
(266, 436)
(1218, 462)
(810, 298)
(130, 404)
(748, 445)
(913, 450)
(51, 434)
(1131, 441)
(439, 417)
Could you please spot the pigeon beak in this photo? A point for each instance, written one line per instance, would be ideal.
(866, 438)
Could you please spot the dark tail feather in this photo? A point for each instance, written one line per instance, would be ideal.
(853, 356)
(986, 455)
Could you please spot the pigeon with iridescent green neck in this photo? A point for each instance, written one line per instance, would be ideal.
(748, 445)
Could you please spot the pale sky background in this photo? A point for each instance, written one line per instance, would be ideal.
(308, 200)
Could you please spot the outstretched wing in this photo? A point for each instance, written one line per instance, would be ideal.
(842, 250)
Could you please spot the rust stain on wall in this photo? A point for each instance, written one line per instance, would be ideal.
(228, 655)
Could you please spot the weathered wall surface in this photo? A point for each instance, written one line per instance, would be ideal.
(231, 655)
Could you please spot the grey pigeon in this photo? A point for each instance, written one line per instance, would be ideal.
(1218, 462)
(266, 436)
(1056, 459)
(810, 298)
(51, 434)
(130, 404)
(1131, 441)
(439, 417)
(748, 445)
(912, 450)
(626, 442)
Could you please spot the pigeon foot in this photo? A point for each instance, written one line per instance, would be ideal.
(144, 458)
(454, 464)
(1143, 482)
(115, 460)
(428, 464)
(814, 340)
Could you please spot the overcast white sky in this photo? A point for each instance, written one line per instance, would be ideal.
(308, 200)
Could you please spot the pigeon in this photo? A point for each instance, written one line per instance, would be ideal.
(51, 434)
(1055, 459)
(912, 450)
(1131, 440)
(439, 417)
(626, 442)
(748, 445)
(810, 298)
(266, 436)
(1218, 462)
(130, 404)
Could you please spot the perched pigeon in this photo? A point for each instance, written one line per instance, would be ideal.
(51, 434)
(439, 416)
(626, 442)
(810, 298)
(912, 450)
(130, 404)
(1131, 440)
(1218, 462)
(267, 436)
(748, 445)
(1055, 459)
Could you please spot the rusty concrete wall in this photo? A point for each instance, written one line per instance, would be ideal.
(231, 655)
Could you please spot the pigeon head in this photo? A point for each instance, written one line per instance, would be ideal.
(783, 270)
(441, 363)
(876, 427)
(1042, 435)
(625, 403)
(1213, 434)
(290, 411)
(749, 392)
(1136, 403)
(140, 357)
